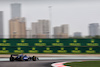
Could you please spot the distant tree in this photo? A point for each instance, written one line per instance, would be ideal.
(88, 36)
(96, 37)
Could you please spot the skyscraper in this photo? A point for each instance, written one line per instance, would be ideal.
(93, 29)
(64, 28)
(44, 26)
(77, 34)
(41, 29)
(15, 10)
(61, 31)
(17, 28)
(28, 32)
(1, 24)
(34, 29)
(57, 32)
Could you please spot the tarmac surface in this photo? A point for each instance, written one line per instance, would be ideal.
(40, 63)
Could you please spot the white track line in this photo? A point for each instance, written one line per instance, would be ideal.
(59, 64)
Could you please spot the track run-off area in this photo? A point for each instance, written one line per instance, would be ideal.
(40, 63)
(46, 61)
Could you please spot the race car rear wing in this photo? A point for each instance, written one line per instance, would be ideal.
(14, 55)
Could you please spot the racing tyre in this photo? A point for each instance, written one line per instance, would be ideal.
(21, 58)
(34, 58)
(26, 60)
(11, 58)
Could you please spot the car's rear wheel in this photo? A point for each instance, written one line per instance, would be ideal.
(11, 58)
(34, 58)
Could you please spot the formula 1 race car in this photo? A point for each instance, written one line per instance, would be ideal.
(22, 57)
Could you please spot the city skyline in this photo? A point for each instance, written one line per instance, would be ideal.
(77, 23)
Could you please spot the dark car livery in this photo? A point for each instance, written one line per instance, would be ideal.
(22, 57)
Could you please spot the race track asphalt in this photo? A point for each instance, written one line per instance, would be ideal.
(40, 63)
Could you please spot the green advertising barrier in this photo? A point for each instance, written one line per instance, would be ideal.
(35, 49)
(49, 45)
(49, 42)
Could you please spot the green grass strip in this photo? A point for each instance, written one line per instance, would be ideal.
(84, 64)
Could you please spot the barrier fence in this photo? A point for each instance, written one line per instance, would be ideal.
(49, 45)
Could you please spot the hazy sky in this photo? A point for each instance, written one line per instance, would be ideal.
(77, 13)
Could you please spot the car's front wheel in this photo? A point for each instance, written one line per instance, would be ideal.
(21, 58)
